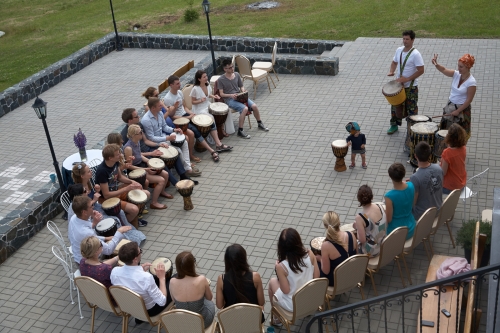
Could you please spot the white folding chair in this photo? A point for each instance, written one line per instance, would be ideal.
(71, 276)
(472, 191)
(65, 201)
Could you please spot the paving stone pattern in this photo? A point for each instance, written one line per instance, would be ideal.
(282, 178)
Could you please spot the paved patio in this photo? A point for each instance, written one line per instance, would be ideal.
(282, 178)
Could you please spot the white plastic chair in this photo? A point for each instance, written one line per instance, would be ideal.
(472, 191)
(68, 252)
(71, 276)
(65, 201)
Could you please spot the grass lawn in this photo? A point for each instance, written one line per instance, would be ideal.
(41, 32)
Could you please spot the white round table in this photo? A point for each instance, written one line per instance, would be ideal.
(68, 163)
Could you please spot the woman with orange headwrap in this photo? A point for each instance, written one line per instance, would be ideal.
(463, 89)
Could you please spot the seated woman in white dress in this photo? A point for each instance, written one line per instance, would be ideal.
(200, 94)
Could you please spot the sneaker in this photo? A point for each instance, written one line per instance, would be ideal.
(194, 173)
(263, 127)
(243, 135)
(142, 223)
(393, 129)
(145, 211)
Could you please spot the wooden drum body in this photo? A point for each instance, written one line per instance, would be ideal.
(106, 227)
(168, 267)
(185, 188)
(203, 123)
(220, 112)
(316, 245)
(410, 121)
(138, 175)
(169, 156)
(439, 144)
(340, 148)
(182, 123)
(156, 164)
(112, 206)
(138, 198)
(422, 132)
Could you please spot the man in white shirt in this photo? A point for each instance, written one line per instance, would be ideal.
(157, 130)
(80, 227)
(408, 65)
(135, 277)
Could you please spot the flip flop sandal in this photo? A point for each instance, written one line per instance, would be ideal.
(352, 166)
(215, 156)
(223, 148)
(196, 159)
(364, 166)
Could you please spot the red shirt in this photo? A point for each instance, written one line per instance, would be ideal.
(456, 176)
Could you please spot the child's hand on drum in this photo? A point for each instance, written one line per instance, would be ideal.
(124, 229)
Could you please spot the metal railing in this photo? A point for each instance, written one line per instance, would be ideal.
(379, 306)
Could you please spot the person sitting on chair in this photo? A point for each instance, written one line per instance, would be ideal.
(135, 277)
(80, 227)
(90, 265)
(229, 85)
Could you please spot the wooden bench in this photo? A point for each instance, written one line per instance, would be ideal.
(179, 72)
(452, 297)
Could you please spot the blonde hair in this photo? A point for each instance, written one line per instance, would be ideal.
(331, 221)
(89, 246)
(77, 172)
(132, 129)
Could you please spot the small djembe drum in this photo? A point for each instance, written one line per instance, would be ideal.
(316, 245)
(138, 198)
(169, 269)
(156, 165)
(340, 148)
(169, 156)
(203, 123)
(182, 123)
(439, 144)
(185, 188)
(220, 112)
(138, 175)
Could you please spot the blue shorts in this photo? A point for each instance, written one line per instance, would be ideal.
(239, 106)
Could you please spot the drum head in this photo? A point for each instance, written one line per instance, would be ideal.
(156, 163)
(105, 224)
(137, 196)
(110, 203)
(424, 128)
(184, 184)
(419, 118)
(136, 173)
(181, 121)
(164, 261)
(317, 242)
(203, 120)
(442, 133)
(120, 244)
(169, 152)
(218, 108)
(179, 137)
(392, 88)
(339, 144)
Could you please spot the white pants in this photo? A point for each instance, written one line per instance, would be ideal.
(184, 156)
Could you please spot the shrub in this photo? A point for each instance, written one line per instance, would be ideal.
(466, 232)
(191, 15)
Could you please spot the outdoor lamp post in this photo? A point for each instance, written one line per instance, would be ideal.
(206, 8)
(40, 108)
(119, 46)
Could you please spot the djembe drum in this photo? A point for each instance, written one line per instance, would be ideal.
(169, 156)
(156, 164)
(168, 267)
(220, 112)
(422, 132)
(112, 206)
(119, 245)
(107, 227)
(395, 94)
(185, 188)
(182, 123)
(138, 198)
(179, 140)
(410, 121)
(316, 245)
(340, 148)
(138, 175)
(439, 144)
(203, 123)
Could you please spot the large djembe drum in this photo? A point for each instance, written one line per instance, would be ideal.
(185, 188)
(422, 132)
(410, 121)
(220, 112)
(340, 148)
(203, 123)
(395, 94)
(169, 156)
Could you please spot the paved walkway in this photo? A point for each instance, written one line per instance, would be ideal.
(283, 178)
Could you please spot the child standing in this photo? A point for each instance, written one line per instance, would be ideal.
(357, 141)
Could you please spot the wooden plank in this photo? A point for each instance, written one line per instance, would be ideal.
(162, 86)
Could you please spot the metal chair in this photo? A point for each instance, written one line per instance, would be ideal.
(256, 75)
(68, 252)
(446, 214)
(306, 301)
(97, 296)
(348, 275)
(268, 66)
(472, 191)
(422, 231)
(181, 321)
(390, 250)
(241, 318)
(132, 304)
(71, 276)
(65, 201)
